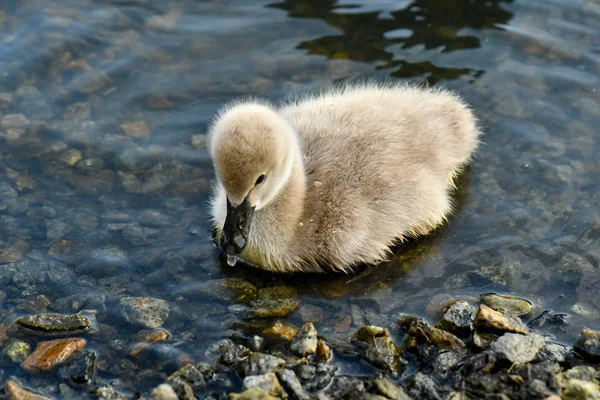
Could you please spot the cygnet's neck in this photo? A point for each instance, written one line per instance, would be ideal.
(281, 217)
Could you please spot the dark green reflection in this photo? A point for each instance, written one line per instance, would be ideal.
(429, 23)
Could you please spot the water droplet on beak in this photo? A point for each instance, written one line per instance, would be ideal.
(232, 260)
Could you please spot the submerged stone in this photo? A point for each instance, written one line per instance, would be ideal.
(507, 305)
(272, 308)
(80, 369)
(50, 354)
(16, 351)
(16, 392)
(229, 289)
(163, 392)
(145, 311)
(55, 323)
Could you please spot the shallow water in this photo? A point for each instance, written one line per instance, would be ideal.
(104, 177)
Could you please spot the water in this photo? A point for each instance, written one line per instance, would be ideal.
(104, 179)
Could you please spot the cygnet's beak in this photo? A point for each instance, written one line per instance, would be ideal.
(235, 233)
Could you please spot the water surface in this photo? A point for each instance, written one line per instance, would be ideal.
(104, 173)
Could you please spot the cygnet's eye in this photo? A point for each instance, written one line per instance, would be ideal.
(260, 180)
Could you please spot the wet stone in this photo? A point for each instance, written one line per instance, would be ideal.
(323, 374)
(251, 394)
(458, 319)
(109, 393)
(305, 341)
(581, 390)
(388, 389)
(280, 331)
(552, 352)
(50, 354)
(517, 348)
(421, 386)
(271, 308)
(15, 252)
(424, 334)
(323, 352)
(145, 311)
(163, 392)
(292, 385)
(267, 382)
(507, 305)
(80, 369)
(188, 374)
(16, 392)
(54, 323)
(378, 349)
(229, 289)
(588, 344)
(487, 318)
(16, 351)
(583, 372)
(259, 364)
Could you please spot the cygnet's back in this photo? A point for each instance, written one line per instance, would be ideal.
(378, 163)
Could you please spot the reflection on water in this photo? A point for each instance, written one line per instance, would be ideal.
(104, 173)
(370, 37)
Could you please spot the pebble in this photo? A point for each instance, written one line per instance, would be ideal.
(292, 385)
(273, 308)
(16, 350)
(388, 389)
(458, 319)
(50, 354)
(48, 323)
(252, 394)
(163, 392)
(507, 305)
(323, 352)
(145, 311)
(310, 313)
(15, 252)
(14, 121)
(260, 364)
(487, 318)
(378, 349)
(581, 390)
(229, 290)
(280, 331)
(305, 341)
(267, 382)
(16, 392)
(588, 344)
(517, 348)
(91, 81)
(137, 129)
(70, 157)
(80, 369)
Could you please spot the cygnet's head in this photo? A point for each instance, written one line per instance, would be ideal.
(252, 150)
